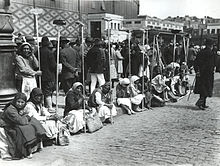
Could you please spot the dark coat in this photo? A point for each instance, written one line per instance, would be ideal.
(217, 63)
(73, 102)
(70, 60)
(48, 64)
(136, 60)
(204, 64)
(96, 60)
(122, 92)
(22, 132)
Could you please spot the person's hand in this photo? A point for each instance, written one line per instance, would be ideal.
(109, 106)
(28, 117)
(31, 57)
(38, 73)
(21, 112)
(80, 100)
(54, 117)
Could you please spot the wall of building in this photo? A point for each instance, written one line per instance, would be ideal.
(67, 10)
(24, 21)
(213, 28)
(126, 8)
(152, 24)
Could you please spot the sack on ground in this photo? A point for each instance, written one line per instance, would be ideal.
(63, 135)
(94, 123)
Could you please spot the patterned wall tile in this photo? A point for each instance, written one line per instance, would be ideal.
(24, 21)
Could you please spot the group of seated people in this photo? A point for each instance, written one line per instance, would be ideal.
(26, 126)
(169, 83)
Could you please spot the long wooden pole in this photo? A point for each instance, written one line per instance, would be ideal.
(83, 75)
(129, 54)
(143, 59)
(174, 47)
(109, 59)
(57, 73)
(38, 47)
(151, 69)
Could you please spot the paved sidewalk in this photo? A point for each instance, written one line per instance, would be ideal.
(178, 134)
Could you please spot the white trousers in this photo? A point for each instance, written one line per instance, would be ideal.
(94, 78)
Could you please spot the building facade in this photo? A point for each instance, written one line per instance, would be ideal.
(148, 22)
(213, 28)
(68, 10)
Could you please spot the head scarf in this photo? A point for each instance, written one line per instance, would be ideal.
(106, 87)
(20, 49)
(134, 78)
(124, 81)
(73, 89)
(17, 97)
(35, 92)
(76, 84)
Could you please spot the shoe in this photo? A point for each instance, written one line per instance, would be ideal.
(138, 110)
(108, 120)
(129, 112)
(53, 105)
(200, 107)
(144, 109)
(7, 158)
(206, 106)
(132, 112)
(30, 156)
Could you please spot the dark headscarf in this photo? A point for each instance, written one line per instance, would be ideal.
(17, 97)
(35, 92)
(106, 87)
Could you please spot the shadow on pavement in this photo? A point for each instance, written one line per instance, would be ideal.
(187, 107)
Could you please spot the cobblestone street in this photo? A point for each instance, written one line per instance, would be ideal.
(177, 134)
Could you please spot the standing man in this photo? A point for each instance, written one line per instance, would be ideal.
(96, 63)
(48, 67)
(204, 67)
(70, 60)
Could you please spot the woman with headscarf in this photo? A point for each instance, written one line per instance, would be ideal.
(123, 95)
(35, 108)
(128, 96)
(101, 100)
(74, 108)
(23, 132)
(136, 96)
(26, 69)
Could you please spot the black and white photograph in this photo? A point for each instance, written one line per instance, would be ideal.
(109, 83)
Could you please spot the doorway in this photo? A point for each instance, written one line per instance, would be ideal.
(95, 29)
